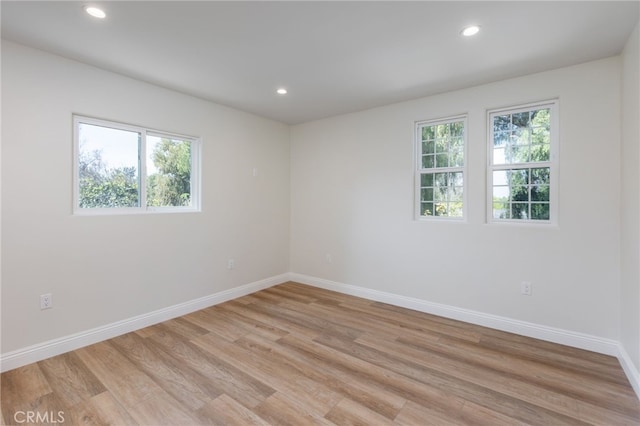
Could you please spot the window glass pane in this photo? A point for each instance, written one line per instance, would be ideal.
(428, 147)
(500, 193)
(501, 139)
(519, 193)
(108, 167)
(520, 211)
(457, 129)
(440, 209)
(442, 160)
(428, 132)
(457, 144)
(456, 159)
(541, 175)
(455, 209)
(427, 194)
(540, 211)
(500, 177)
(521, 119)
(168, 172)
(518, 177)
(541, 118)
(510, 154)
(426, 209)
(499, 156)
(428, 161)
(426, 179)
(502, 123)
(441, 145)
(442, 130)
(501, 210)
(518, 185)
(540, 193)
(540, 135)
(455, 193)
(441, 179)
(521, 137)
(456, 178)
(540, 152)
(440, 194)
(517, 154)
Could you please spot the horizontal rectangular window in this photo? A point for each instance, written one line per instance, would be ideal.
(121, 168)
(440, 183)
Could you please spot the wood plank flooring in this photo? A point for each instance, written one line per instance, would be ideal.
(298, 355)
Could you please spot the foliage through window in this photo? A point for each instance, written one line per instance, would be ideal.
(123, 168)
(522, 168)
(440, 169)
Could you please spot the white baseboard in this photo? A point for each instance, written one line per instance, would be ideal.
(24, 356)
(629, 369)
(551, 334)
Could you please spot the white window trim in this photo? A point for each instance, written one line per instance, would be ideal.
(419, 170)
(553, 162)
(196, 147)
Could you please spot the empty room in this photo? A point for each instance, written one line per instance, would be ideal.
(337, 213)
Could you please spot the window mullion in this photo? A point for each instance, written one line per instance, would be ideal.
(142, 153)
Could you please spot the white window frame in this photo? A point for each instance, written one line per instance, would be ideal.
(195, 178)
(419, 170)
(552, 163)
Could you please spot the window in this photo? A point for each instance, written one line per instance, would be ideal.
(127, 169)
(522, 164)
(440, 171)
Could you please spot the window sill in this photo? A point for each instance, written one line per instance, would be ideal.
(132, 211)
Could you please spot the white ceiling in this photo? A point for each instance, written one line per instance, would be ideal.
(333, 57)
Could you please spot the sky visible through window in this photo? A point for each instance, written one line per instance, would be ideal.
(118, 148)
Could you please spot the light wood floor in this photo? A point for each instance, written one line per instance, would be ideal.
(297, 355)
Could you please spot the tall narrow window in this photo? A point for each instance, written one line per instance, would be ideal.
(440, 181)
(522, 163)
(128, 169)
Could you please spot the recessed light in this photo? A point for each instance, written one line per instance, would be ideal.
(281, 91)
(95, 12)
(470, 31)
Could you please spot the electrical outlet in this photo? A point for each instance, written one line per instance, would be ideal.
(231, 263)
(525, 288)
(328, 258)
(46, 301)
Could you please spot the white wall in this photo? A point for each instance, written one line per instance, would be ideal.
(352, 197)
(109, 268)
(630, 212)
